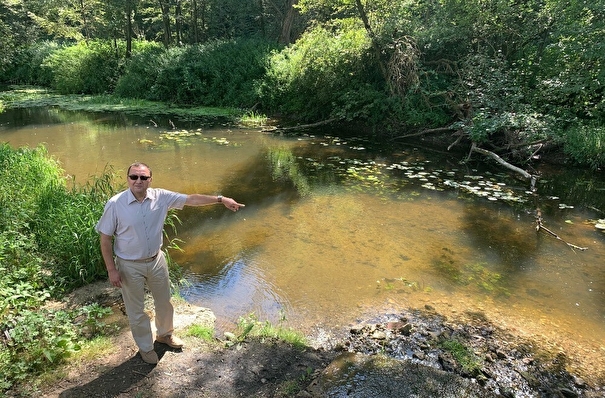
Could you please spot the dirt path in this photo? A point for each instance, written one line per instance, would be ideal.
(252, 368)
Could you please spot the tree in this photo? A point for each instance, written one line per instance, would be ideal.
(285, 36)
(165, 8)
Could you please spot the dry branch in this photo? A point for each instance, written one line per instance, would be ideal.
(423, 132)
(541, 227)
(299, 127)
(504, 163)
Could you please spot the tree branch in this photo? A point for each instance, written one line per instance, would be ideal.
(540, 227)
(299, 127)
(423, 132)
(504, 163)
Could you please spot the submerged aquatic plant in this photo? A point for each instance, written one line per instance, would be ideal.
(474, 274)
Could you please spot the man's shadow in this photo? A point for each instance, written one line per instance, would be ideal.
(118, 380)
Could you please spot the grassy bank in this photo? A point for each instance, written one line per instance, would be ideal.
(48, 246)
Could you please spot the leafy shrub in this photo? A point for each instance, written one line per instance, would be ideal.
(220, 73)
(85, 68)
(141, 71)
(426, 107)
(27, 68)
(47, 244)
(500, 115)
(327, 73)
(586, 145)
(37, 339)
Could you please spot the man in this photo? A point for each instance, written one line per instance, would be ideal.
(134, 220)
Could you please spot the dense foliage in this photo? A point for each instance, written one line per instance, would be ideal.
(218, 73)
(503, 75)
(47, 246)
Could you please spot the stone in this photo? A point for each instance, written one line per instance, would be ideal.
(395, 325)
(357, 329)
(400, 327)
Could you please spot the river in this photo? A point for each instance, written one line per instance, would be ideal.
(336, 229)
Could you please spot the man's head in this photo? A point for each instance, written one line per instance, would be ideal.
(139, 179)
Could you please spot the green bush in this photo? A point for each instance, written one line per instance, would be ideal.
(27, 68)
(141, 71)
(41, 338)
(85, 68)
(585, 145)
(37, 338)
(220, 73)
(327, 73)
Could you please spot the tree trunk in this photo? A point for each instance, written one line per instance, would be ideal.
(178, 12)
(128, 29)
(504, 163)
(261, 8)
(375, 45)
(85, 29)
(286, 31)
(196, 38)
(165, 7)
(204, 7)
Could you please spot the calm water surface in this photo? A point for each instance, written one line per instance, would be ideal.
(334, 230)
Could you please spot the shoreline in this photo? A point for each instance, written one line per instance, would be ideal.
(390, 351)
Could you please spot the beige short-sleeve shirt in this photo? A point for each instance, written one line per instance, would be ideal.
(137, 226)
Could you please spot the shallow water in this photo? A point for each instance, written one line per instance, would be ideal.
(334, 229)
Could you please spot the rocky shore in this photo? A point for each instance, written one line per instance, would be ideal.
(480, 359)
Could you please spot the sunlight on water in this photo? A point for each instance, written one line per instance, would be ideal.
(332, 233)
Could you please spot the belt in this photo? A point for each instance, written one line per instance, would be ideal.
(145, 260)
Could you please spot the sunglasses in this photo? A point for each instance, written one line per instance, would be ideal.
(135, 177)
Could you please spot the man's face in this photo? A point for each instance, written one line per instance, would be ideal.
(138, 186)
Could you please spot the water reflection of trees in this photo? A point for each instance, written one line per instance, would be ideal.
(575, 187)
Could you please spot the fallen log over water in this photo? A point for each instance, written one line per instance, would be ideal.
(504, 163)
(299, 127)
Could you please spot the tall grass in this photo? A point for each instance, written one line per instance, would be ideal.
(47, 246)
(65, 231)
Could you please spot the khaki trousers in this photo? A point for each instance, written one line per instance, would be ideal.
(134, 276)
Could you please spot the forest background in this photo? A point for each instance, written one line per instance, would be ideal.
(514, 78)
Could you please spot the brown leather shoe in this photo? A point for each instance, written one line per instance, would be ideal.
(150, 357)
(171, 341)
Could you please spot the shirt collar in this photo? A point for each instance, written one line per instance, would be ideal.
(131, 197)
